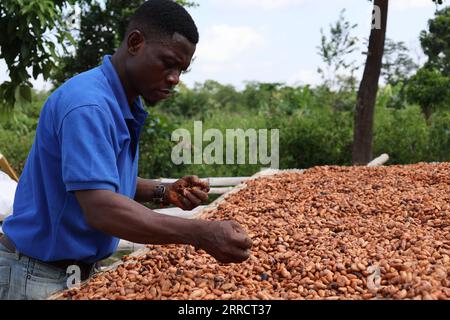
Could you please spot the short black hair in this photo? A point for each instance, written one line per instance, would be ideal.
(163, 17)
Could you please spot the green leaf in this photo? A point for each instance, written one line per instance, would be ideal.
(24, 51)
(46, 70)
(11, 26)
(17, 97)
(25, 92)
(52, 47)
(41, 19)
(23, 75)
(22, 94)
(70, 38)
(41, 7)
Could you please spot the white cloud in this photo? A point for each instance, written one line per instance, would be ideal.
(259, 4)
(223, 43)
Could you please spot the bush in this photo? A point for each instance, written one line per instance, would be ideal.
(439, 137)
(403, 134)
(314, 128)
(316, 137)
(17, 132)
(155, 146)
(222, 121)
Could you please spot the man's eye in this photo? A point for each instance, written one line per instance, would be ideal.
(169, 64)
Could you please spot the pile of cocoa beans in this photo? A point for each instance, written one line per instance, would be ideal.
(328, 233)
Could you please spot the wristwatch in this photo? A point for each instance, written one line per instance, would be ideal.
(158, 196)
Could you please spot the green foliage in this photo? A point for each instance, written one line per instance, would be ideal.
(29, 30)
(315, 137)
(312, 131)
(341, 100)
(436, 41)
(439, 142)
(18, 130)
(222, 121)
(430, 89)
(155, 146)
(403, 134)
(208, 98)
(190, 103)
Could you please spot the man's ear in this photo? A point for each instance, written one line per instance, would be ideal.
(135, 41)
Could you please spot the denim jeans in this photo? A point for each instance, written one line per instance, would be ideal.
(25, 278)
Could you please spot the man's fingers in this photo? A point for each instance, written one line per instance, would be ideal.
(193, 199)
(184, 203)
(204, 186)
(240, 237)
(195, 181)
(192, 179)
(238, 256)
(237, 227)
(203, 196)
(181, 184)
(243, 255)
(242, 241)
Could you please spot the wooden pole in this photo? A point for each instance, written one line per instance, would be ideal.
(4, 165)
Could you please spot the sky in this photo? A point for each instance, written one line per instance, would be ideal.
(276, 40)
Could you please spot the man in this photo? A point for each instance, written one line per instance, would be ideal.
(79, 190)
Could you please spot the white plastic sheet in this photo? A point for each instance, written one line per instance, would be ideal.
(7, 190)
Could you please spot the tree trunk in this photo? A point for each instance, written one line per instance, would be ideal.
(428, 112)
(367, 94)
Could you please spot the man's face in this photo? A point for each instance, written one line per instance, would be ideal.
(156, 66)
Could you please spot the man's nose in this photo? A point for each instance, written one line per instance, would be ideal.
(173, 78)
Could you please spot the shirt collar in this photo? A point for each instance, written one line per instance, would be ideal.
(113, 78)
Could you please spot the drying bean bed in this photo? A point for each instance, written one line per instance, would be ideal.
(328, 233)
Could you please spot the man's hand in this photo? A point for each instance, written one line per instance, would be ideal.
(187, 193)
(226, 241)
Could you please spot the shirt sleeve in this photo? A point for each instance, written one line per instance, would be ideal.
(88, 157)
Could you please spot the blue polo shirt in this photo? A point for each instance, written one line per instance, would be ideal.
(86, 139)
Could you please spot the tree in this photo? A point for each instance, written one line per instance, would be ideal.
(363, 135)
(430, 89)
(436, 41)
(102, 26)
(367, 93)
(334, 52)
(28, 32)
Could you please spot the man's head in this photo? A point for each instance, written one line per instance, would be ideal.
(159, 43)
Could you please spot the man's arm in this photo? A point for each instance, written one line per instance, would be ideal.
(124, 218)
